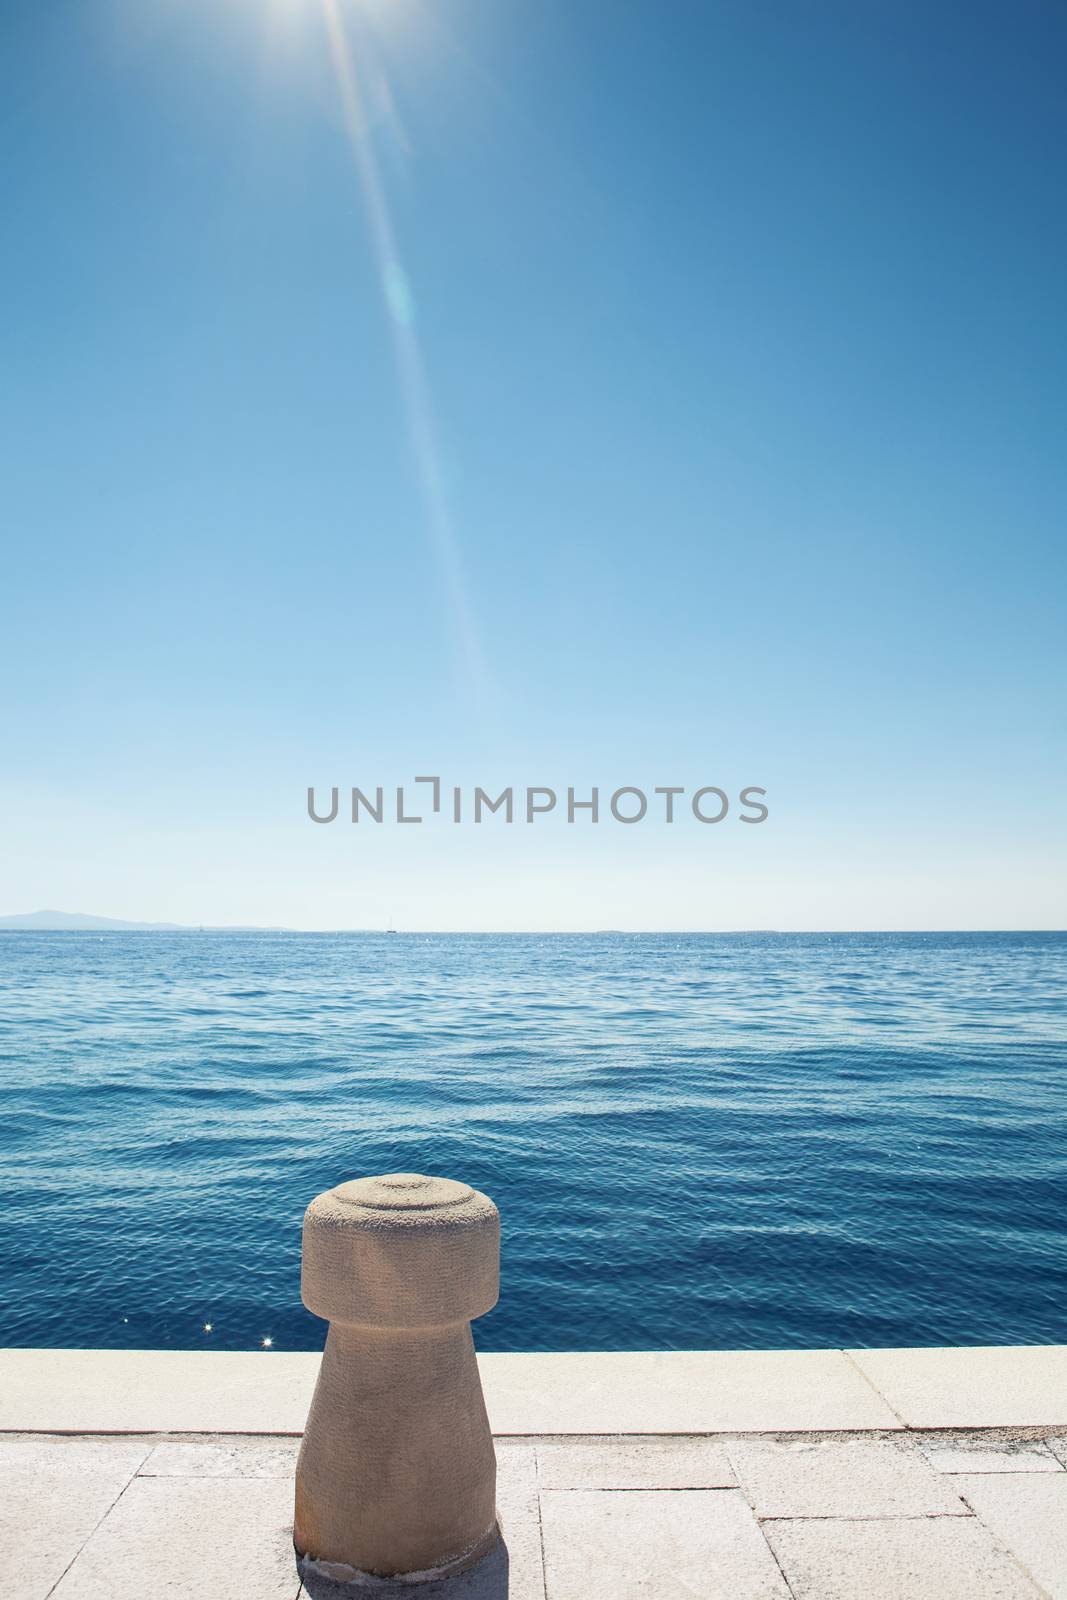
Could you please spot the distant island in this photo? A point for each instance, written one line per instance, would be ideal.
(81, 922)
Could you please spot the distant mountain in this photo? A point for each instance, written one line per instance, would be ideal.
(80, 922)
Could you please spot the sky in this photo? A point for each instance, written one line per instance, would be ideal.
(534, 394)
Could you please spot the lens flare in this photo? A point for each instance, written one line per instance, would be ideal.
(399, 306)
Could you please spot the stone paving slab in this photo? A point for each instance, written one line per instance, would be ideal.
(634, 1463)
(518, 1510)
(155, 1391)
(190, 1539)
(1029, 1516)
(680, 1391)
(53, 1494)
(1024, 1455)
(860, 1516)
(848, 1478)
(971, 1387)
(644, 1392)
(936, 1558)
(223, 1458)
(269, 1392)
(702, 1543)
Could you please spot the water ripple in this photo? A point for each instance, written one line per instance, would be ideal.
(695, 1141)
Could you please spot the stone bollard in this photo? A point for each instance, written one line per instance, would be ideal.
(397, 1474)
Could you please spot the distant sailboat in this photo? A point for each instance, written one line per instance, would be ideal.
(391, 928)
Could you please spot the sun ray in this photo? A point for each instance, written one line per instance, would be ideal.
(411, 368)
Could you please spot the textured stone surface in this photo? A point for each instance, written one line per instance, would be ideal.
(190, 1539)
(988, 1386)
(977, 1456)
(680, 1391)
(851, 1478)
(226, 1458)
(396, 1472)
(400, 1251)
(156, 1391)
(519, 1512)
(703, 1544)
(635, 1463)
(934, 1558)
(53, 1493)
(512, 1571)
(1029, 1516)
(268, 1392)
(210, 1517)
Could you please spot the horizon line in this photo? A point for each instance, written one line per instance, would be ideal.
(251, 928)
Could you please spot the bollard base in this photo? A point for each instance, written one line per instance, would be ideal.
(336, 1572)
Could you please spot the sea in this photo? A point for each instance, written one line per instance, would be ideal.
(696, 1141)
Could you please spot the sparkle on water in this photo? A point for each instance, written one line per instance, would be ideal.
(694, 1141)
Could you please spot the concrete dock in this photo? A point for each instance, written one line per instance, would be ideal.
(822, 1475)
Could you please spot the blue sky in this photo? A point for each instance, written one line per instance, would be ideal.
(708, 431)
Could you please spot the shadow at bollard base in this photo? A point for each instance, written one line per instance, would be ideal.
(481, 1575)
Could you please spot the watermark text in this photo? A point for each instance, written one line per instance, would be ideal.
(627, 805)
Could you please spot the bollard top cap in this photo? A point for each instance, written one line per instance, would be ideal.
(401, 1250)
(404, 1191)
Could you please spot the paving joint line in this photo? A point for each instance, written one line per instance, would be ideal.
(97, 1525)
(540, 1522)
(875, 1389)
(1006, 1550)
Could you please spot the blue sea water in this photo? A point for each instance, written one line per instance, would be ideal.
(695, 1141)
